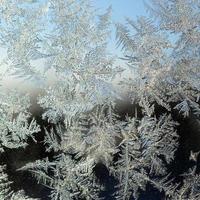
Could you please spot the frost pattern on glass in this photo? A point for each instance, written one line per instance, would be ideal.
(83, 128)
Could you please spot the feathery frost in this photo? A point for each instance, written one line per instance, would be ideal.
(84, 131)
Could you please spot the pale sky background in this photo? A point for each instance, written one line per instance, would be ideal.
(120, 10)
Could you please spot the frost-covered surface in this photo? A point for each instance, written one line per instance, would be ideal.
(88, 150)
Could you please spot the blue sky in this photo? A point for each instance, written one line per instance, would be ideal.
(120, 10)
